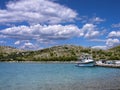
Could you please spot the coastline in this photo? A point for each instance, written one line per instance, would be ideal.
(97, 63)
(54, 62)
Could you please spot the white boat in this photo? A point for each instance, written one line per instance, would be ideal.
(85, 60)
(108, 63)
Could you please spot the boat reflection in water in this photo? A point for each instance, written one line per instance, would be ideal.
(85, 60)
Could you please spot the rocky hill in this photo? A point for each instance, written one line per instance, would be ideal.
(58, 53)
(8, 49)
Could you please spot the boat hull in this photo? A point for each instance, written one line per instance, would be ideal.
(85, 64)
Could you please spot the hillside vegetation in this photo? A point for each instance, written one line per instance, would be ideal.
(57, 53)
(8, 50)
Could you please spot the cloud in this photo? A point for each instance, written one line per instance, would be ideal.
(2, 36)
(41, 33)
(89, 31)
(112, 42)
(116, 25)
(100, 47)
(109, 43)
(43, 18)
(36, 11)
(113, 39)
(114, 34)
(45, 33)
(91, 34)
(94, 20)
(29, 46)
(98, 40)
(17, 42)
(2, 42)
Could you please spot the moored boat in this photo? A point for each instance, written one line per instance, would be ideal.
(108, 63)
(85, 60)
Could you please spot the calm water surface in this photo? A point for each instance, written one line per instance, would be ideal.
(36, 76)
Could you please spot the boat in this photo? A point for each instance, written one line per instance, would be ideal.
(108, 63)
(85, 60)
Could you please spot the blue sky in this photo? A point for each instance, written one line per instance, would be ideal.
(36, 24)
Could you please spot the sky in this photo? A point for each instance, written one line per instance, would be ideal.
(37, 24)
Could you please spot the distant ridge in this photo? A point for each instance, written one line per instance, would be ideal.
(57, 53)
(9, 49)
(117, 48)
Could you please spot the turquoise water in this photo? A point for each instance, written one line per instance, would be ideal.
(36, 76)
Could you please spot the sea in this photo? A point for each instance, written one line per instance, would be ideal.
(57, 76)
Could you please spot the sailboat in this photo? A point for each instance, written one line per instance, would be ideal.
(85, 60)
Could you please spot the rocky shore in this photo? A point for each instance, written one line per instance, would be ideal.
(74, 62)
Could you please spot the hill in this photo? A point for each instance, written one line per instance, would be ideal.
(58, 53)
(114, 53)
(117, 48)
(8, 49)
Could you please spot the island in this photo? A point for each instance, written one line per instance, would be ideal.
(57, 53)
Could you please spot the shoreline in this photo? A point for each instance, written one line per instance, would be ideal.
(97, 63)
(54, 62)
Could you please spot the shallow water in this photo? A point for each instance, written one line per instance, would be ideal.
(37, 76)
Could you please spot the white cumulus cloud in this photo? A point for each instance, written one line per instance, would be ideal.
(112, 42)
(114, 34)
(36, 11)
(43, 33)
(49, 32)
(90, 31)
(96, 20)
(29, 46)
